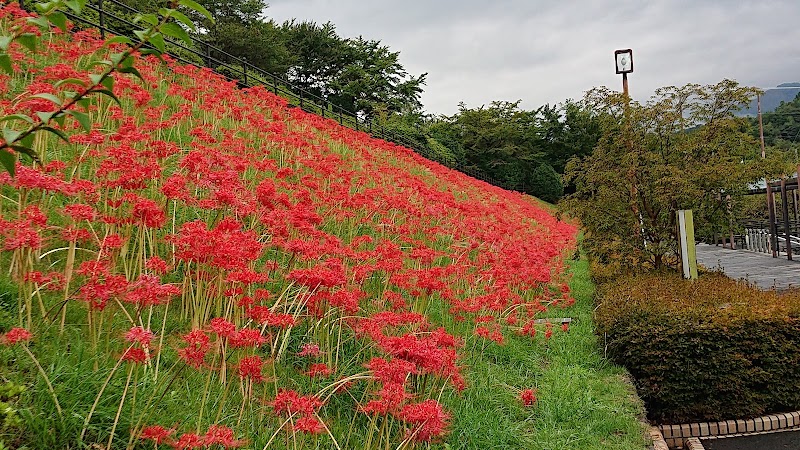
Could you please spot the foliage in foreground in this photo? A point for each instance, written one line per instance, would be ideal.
(208, 267)
(713, 349)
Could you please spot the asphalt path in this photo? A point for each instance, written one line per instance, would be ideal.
(761, 269)
(782, 440)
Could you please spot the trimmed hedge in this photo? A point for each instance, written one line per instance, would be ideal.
(713, 349)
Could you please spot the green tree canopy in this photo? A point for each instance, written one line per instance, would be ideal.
(683, 149)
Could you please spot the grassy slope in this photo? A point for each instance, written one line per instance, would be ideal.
(585, 402)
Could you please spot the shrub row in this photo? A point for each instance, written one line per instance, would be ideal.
(707, 350)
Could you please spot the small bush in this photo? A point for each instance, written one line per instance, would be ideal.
(707, 350)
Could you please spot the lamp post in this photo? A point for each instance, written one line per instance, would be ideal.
(624, 61)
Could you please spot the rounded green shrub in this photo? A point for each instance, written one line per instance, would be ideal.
(713, 349)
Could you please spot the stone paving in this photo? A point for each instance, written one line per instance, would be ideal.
(761, 269)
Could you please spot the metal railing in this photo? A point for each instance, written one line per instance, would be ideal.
(249, 75)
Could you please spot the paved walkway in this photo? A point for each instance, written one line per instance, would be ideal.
(759, 268)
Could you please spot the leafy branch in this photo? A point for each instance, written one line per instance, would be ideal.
(21, 141)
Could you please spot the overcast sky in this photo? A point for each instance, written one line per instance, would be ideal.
(546, 51)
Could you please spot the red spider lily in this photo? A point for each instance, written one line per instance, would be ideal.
(391, 397)
(188, 441)
(135, 355)
(319, 370)
(428, 420)
(246, 337)
(264, 316)
(290, 402)
(15, 336)
(148, 291)
(250, 367)
(139, 336)
(308, 425)
(222, 435)
(222, 327)
(157, 265)
(528, 397)
(395, 371)
(157, 434)
(309, 350)
(197, 345)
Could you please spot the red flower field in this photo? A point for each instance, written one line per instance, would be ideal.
(211, 267)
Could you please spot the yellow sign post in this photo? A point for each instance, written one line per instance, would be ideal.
(687, 247)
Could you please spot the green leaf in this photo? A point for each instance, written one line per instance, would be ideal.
(40, 22)
(74, 5)
(58, 133)
(10, 135)
(107, 93)
(96, 78)
(5, 41)
(157, 40)
(82, 118)
(193, 5)
(28, 40)
(127, 62)
(181, 17)
(176, 31)
(8, 160)
(49, 97)
(26, 151)
(104, 62)
(150, 19)
(5, 64)
(22, 117)
(119, 40)
(150, 51)
(58, 19)
(77, 81)
(133, 71)
(27, 141)
(108, 83)
(141, 34)
(45, 116)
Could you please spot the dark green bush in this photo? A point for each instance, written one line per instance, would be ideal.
(707, 350)
(546, 183)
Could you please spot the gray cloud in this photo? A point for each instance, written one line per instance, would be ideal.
(548, 51)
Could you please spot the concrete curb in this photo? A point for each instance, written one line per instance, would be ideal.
(681, 435)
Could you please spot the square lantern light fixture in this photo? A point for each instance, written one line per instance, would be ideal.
(624, 60)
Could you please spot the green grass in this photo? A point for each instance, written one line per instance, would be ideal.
(584, 401)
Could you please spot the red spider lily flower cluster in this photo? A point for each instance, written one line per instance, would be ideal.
(303, 407)
(15, 336)
(528, 397)
(217, 436)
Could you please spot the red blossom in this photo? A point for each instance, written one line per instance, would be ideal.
(428, 420)
(528, 397)
(156, 433)
(15, 336)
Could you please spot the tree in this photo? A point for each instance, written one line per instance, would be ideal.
(545, 183)
(358, 75)
(684, 149)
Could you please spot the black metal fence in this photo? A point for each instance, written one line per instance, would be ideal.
(104, 15)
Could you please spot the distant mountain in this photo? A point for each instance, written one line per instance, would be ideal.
(772, 98)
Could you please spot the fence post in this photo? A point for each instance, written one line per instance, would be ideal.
(244, 69)
(301, 98)
(275, 83)
(102, 13)
(340, 116)
(208, 55)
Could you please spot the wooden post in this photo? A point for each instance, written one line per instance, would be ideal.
(785, 209)
(773, 232)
